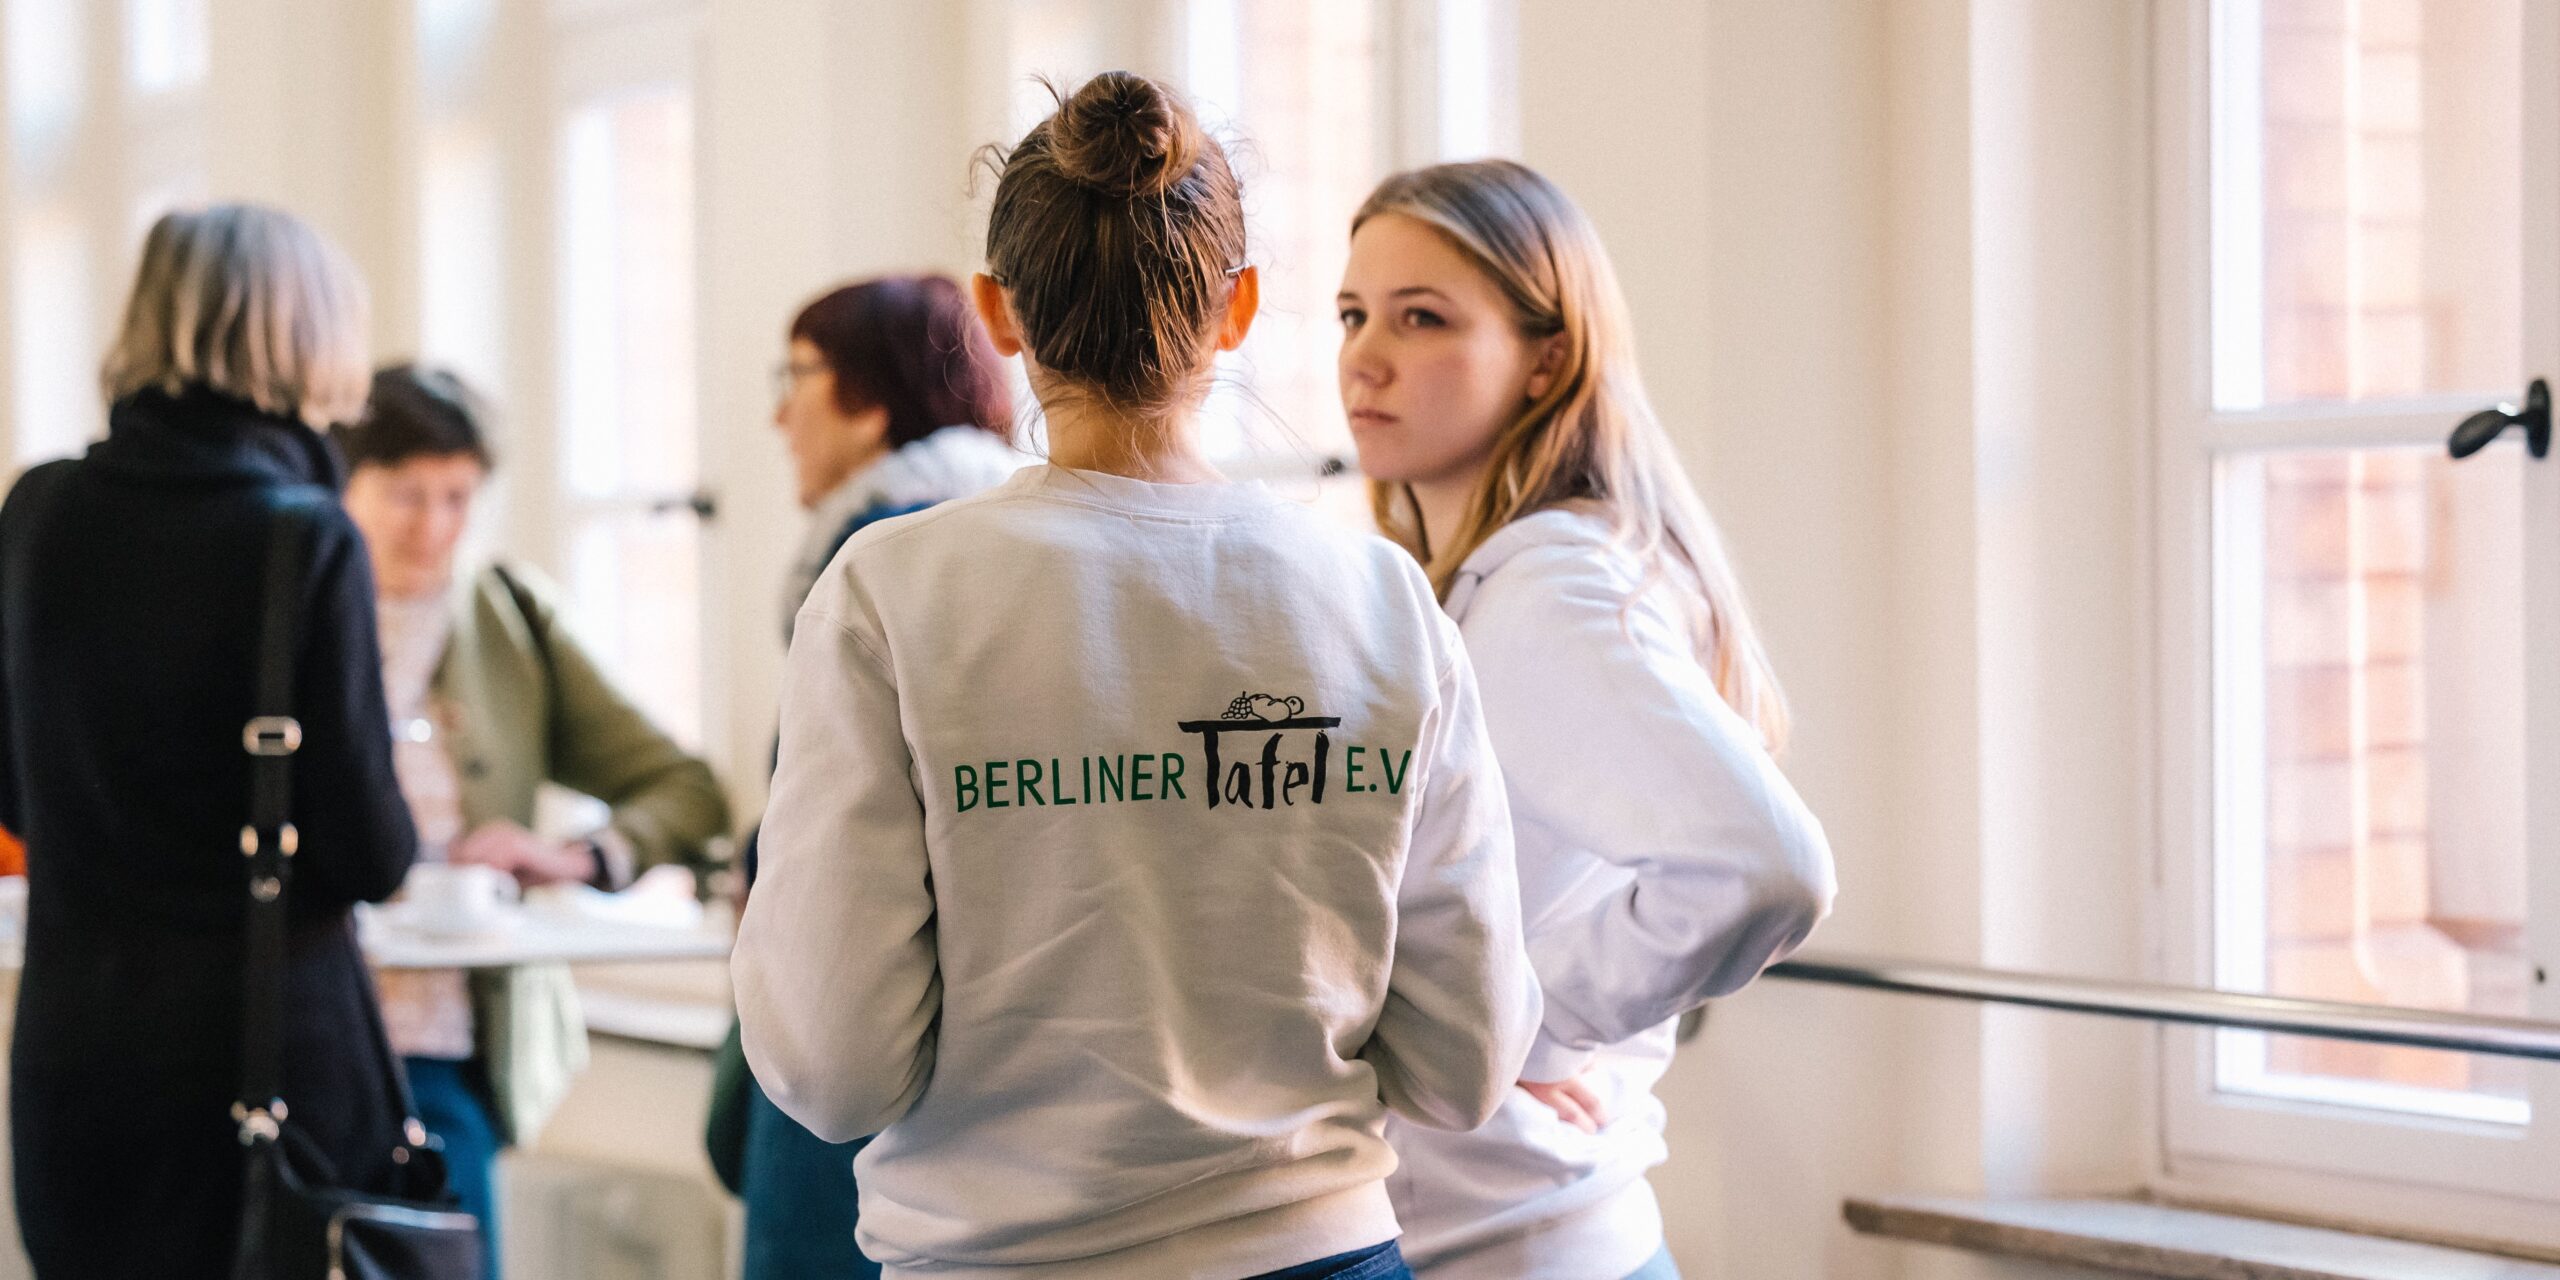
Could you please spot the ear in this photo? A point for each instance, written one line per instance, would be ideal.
(995, 310)
(871, 425)
(1542, 376)
(1244, 302)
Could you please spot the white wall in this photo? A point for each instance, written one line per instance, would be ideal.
(1887, 261)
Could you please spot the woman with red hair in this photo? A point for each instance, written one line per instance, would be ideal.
(890, 400)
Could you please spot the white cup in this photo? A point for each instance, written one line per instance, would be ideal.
(13, 908)
(451, 898)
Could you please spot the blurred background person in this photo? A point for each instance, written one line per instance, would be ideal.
(130, 594)
(890, 400)
(491, 696)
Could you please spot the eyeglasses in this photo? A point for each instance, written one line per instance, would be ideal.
(787, 375)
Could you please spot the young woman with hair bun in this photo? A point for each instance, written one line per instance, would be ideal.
(1489, 373)
(1135, 848)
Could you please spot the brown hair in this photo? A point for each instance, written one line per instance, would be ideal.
(910, 345)
(1593, 437)
(416, 412)
(1118, 230)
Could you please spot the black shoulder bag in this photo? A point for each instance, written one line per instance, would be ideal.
(293, 1227)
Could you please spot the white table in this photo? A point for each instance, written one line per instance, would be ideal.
(540, 937)
(536, 938)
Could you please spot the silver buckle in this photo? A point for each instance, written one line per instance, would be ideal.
(272, 736)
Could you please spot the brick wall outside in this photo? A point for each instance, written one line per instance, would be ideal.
(2349, 314)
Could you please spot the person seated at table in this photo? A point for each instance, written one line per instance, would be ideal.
(491, 696)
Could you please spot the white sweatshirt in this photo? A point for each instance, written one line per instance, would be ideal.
(1133, 849)
(953, 462)
(1663, 860)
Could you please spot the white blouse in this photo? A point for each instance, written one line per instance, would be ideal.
(427, 1012)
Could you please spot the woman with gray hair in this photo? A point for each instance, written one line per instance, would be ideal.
(130, 603)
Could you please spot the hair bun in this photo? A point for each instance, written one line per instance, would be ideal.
(1125, 135)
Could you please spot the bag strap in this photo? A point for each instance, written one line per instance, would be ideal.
(521, 597)
(269, 840)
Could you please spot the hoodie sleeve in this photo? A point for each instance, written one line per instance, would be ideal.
(839, 988)
(1462, 1004)
(1614, 741)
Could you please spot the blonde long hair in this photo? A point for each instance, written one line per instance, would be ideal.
(1592, 437)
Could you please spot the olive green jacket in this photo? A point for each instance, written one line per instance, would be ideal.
(532, 706)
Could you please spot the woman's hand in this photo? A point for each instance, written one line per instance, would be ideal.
(531, 859)
(1571, 1100)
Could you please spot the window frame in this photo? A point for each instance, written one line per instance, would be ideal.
(2398, 1172)
(603, 52)
(1446, 89)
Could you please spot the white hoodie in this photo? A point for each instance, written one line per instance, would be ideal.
(1664, 860)
(1133, 849)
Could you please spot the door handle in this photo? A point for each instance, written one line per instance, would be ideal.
(2475, 432)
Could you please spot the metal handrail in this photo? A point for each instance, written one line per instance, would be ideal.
(2327, 1019)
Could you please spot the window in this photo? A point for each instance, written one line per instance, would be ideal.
(166, 44)
(93, 162)
(55, 399)
(1299, 83)
(43, 40)
(556, 195)
(626, 343)
(461, 250)
(2359, 651)
(1326, 97)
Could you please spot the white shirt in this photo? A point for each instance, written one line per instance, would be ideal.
(1134, 849)
(1664, 860)
(426, 1013)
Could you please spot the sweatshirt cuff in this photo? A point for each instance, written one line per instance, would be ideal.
(1552, 1060)
(616, 863)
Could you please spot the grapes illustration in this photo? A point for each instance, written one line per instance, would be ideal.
(1243, 708)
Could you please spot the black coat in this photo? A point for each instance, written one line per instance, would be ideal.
(129, 602)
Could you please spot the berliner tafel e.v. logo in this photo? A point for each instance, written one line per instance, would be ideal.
(1264, 751)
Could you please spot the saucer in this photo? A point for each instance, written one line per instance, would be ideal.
(409, 921)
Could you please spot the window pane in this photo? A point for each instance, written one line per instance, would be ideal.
(42, 40)
(56, 400)
(638, 582)
(462, 252)
(628, 410)
(1305, 104)
(2372, 741)
(166, 44)
(2366, 207)
(627, 340)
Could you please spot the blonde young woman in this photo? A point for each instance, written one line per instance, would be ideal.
(1492, 390)
(1134, 847)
